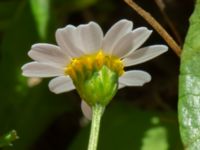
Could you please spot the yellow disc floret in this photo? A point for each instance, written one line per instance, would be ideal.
(90, 63)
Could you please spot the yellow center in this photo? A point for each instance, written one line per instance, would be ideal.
(89, 63)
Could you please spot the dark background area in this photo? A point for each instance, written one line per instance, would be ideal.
(137, 118)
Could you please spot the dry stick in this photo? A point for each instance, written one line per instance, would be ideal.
(163, 33)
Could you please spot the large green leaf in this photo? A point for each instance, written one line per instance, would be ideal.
(189, 85)
(125, 127)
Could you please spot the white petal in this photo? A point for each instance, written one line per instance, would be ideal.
(86, 109)
(35, 69)
(120, 86)
(131, 42)
(68, 39)
(91, 37)
(115, 33)
(135, 78)
(47, 53)
(144, 54)
(61, 84)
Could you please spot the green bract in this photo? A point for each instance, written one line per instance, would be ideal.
(99, 87)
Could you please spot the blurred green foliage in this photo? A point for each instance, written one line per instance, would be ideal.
(40, 11)
(8, 138)
(144, 119)
(126, 127)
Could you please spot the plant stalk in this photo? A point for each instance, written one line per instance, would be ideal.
(97, 112)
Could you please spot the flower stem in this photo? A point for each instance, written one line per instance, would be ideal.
(97, 112)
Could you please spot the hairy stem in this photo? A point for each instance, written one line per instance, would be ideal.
(97, 112)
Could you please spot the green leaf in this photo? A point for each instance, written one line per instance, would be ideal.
(155, 136)
(41, 13)
(125, 127)
(6, 139)
(189, 85)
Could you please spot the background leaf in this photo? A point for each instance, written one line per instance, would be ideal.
(41, 13)
(28, 110)
(125, 127)
(189, 84)
(8, 138)
(7, 10)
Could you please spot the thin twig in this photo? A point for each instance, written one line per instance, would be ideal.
(163, 33)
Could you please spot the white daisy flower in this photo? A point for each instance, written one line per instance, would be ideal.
(85, 46)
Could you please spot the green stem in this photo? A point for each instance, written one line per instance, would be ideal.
(97, 112)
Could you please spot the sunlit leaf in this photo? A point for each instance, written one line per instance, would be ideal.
(189, 85)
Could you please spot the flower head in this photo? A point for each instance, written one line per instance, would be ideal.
(85, 59)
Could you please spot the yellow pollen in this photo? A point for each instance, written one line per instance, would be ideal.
(90, 63)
